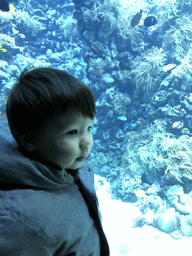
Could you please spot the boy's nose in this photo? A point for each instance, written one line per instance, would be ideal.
(84, 145)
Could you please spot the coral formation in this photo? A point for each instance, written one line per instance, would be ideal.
(184, 70)
(146, 71)
(106, 10)
(96, 67)
(158, 153)
(120, 102)
(30, 23)
(68, 27)
(179, 37)
(6, 40)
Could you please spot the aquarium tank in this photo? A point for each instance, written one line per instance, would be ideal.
(136, 57)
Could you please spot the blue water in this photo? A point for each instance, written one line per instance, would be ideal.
(141, 79)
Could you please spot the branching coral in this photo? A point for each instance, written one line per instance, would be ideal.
(166, 9)
(29, 22)
(6, 40)
(107, 10)
(96, 67)
(124, 28)
(5, 17)
(120, 101)
(68, 26)
(115, 15)
(179, 37)
(155, 150)
(184, 70)
(127, 32)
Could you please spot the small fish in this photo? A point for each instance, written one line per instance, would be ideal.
(11, 7)
(122, 118)
(3, 50)
(140, 193)
(174, 125)
(138, 222)
(150, 21)
(136, 19)
(185, 129)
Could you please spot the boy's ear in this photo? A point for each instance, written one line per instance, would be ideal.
(27, 143)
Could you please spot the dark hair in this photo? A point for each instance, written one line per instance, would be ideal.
(43, 93)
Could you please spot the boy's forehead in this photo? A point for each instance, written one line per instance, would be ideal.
(68, 118)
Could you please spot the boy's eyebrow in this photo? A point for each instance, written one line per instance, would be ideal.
(67, 121)
(64, 123)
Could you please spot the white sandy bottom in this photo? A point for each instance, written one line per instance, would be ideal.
(125, 240)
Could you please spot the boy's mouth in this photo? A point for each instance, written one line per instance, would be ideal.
(80, 159)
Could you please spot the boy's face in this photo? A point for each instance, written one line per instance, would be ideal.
(66, 140)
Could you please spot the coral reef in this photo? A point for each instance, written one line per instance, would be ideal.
(138, 75)
(158, 153)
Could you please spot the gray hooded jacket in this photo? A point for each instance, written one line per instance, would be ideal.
(45, 211)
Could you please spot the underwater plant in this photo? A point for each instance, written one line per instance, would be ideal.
(156, 57)
(146, 71)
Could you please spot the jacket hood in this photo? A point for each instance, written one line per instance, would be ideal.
(17, 170)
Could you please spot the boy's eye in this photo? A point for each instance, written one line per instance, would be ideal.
(73, 132)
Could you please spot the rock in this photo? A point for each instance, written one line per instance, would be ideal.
(175, 190)
(107, 79)
(160, 98)
(183, 209)
(156, 202)
(168, 221)
(186, 226)
(189, 218)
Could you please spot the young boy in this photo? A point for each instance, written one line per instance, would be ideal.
(48, 205)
